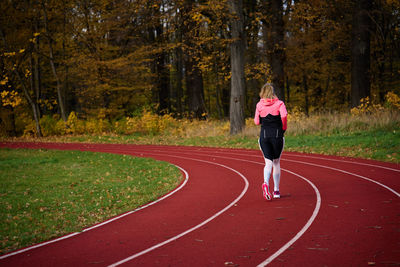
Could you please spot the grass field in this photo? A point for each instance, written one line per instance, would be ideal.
(45, 194)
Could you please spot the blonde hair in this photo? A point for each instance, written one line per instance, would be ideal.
(268, 91)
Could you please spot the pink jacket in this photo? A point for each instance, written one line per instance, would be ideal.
(272, 106)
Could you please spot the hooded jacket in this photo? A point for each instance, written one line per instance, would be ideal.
(271, 113)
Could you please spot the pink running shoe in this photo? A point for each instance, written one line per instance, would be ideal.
(277, 194)
(266, 193)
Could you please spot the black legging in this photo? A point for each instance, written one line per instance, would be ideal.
(271, 146)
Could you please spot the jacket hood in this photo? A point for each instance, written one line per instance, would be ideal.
(268, 101)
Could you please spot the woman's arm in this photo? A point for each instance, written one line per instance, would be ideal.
(257, 117)
(283, 112)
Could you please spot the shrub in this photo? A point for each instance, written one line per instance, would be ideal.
(120, 126)
(150, 123)
(74, 125)
(366, 107)
(97, 126)
(48, 125)
(30, 129)
(392, 101)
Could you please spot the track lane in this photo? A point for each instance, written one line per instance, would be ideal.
(372, 244)
(335, 230)
(352, 234)
(218, 255)
(147, 227)
(244, 237)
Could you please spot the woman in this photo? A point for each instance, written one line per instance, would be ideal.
(271, 113)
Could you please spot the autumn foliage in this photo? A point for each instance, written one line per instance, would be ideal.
(144, 66)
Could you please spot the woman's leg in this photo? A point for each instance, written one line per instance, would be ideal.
(276, 174)
(266, 150)
(267, 170)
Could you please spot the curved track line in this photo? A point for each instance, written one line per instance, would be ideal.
(350, 173)
(316, 210)
(315, 157)
(283, 248)
(312, 157)
(326, 167)
(197, 226)
(346, 161)
(105, 222)
(305, 227)
(273, 256)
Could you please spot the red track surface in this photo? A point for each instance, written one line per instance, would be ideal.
(334, 211)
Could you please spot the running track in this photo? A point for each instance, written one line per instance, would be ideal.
(334, 211)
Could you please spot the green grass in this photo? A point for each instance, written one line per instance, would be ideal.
(374, 144)
(378, 143)
(46, 193)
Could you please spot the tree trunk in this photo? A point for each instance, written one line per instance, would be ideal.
(254, 56)
(36, 64)
(237, 99)
(360, 67)
(179, 77)
(32, 103)
(195, 90)
(66, 76)
(53, 67)
(177, 89)
(162, 71)
(275, 47)
(163, 83)
(287, 90)
(193, 75)
(305, 88)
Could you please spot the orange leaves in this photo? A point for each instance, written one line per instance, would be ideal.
(258, 71)
(10, 98)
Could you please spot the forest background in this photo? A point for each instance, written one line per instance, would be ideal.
(96, 66)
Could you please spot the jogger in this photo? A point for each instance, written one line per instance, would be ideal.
(271, 113)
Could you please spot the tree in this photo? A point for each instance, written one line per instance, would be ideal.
(385, 46)
(360, 52)
(208, 58)
(274, 39)
(238, 97)
(16, 70)
(192, 57)
(50, 39)
(318, 55)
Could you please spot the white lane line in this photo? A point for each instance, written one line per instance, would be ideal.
(350, 173)
(37, 246)
(279, 251)
(326, 167)
(103, 223)
(317, 207)
(240, 153)
(197, 226)
(147, 205)
(346, 161)
(305, 227)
